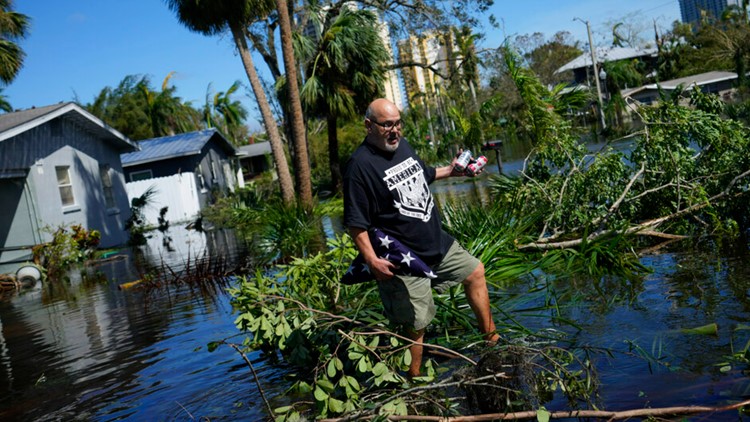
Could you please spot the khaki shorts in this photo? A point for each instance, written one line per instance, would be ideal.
(407, 300)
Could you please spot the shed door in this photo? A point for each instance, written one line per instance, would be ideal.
(16, 220)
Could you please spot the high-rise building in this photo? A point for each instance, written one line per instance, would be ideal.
(430, 51)
(392, 86)
(693, 10)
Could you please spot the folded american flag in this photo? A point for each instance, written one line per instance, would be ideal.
(387, 247)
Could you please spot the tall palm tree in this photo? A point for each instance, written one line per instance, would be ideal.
(465, 41)
(301, 160)
(13, 26)
(217, 16)
(344, 72)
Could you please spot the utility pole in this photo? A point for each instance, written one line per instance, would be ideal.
(596, 73)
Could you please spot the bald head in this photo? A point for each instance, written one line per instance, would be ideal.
(380, 107)
(383, 124)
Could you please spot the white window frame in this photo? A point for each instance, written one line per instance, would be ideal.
(201, 180)
(65, 185)
(105, 172)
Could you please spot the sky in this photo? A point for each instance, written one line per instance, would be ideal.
(76, 48)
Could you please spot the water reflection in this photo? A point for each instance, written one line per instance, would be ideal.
(86, 350)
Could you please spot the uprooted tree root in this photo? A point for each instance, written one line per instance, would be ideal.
(506, 392)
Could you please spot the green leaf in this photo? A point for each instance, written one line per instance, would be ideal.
(353, 383)
(331, 369)
(708, 329)
(320, 394)
(335, 405)
(303, 388)
(213, 345)
(380, 369)
(374, 342)
(325, 384)
(542, 415)
(282, 409)
(362, 365)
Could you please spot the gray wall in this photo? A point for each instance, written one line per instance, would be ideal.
(63, 142)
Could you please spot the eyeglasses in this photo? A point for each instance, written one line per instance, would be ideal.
(388, 125)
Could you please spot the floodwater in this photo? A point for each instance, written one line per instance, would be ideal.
(87, 350)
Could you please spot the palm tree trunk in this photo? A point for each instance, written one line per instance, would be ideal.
(333, 153)
(474, 101)
(302, 165)
(277, 149)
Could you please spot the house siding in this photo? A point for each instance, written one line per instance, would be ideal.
(63, 142)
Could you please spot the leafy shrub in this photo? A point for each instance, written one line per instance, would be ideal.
(66, 248)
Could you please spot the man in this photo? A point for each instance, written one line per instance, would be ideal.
(386, 187)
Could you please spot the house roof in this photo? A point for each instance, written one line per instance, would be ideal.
(699, 79)
(15, 123)
(182, 145)
(607, 54)
(254, 150)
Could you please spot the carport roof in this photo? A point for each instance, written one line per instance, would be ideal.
(182, 145)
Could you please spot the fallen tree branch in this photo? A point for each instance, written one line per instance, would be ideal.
(654, 233)
(650, 224)
(376, 332)
(600, 414)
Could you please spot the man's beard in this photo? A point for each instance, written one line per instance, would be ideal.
(391, 147)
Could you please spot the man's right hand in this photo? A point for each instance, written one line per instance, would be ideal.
(382, 269)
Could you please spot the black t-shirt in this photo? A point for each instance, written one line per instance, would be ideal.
(391, 191)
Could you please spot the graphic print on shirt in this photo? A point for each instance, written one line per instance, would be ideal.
(414, 198)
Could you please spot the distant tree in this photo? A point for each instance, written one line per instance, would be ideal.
(122, 108)
(4, 103)
(716, 44)
(139, 112)
(344, 72)
(672, 51)
(621, 74)
(166, 112)
(227, 115)
(14, 26)
(628, 30)
(544, 57)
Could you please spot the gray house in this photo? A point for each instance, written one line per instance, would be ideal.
(206, 155)
(254, 159)
(717, 82)
(583, 70)
(59, 165)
